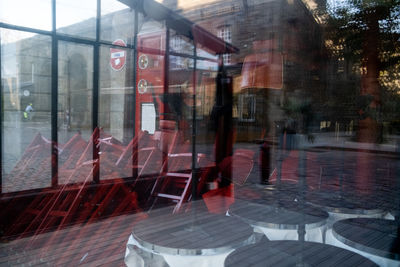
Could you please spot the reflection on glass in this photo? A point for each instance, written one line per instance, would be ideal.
(26, 87)
(150, 67)
(75, 77)
(150, 87)
(206, 75)
(179, 97)
(77, 18)
(115, 110)
(285, 103)
(117, 21)
(33, 14)
(180, 44)
(247, 107)
(148, 119)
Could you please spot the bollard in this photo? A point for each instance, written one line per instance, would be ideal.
(264, 163)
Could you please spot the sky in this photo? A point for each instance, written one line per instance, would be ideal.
(37, 13)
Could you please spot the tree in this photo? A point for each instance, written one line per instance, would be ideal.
(365, 34)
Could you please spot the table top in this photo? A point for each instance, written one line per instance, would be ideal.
(343, 203)
(285, 191)
(192, 233)
(278, 214)
(292, 253)
(374, 236)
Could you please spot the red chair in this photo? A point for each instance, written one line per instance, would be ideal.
(64, 204)
(237, 169)
(219, 200)
(27, 173)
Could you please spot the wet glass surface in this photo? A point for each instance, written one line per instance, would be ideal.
(132, 118)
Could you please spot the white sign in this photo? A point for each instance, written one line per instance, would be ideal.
(148, 120)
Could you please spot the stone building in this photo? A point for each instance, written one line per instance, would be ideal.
(282, 44)
(282, 38)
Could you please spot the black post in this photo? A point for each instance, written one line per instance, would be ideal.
(194, 129)
(264, 162)
(301, 189)
(54, 99)
(1, 126)
(166, 86)
(280, 127)
(222, 114)
(135, 55)
(397, 188)
(95, 97)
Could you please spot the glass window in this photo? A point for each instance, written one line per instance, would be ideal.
(75, 90)
(33, 14)
(206, 75)
(116, 109)
(225, 34)
(281, 114)
(26, 87)
(117, 21)
(247, 107)
(180, 44)
(76, 18)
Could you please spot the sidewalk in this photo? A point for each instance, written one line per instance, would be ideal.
(342, 141)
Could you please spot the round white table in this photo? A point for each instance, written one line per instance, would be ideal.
(187, 239)
(344, 206)
(294, 253)
(281, 219)
(376, 239)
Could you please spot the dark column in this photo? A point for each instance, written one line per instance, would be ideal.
(54, 99)
(194, 129)
(95, 99)
(222, 118)
(134, 81)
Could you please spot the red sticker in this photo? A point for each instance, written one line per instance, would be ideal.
(118, 56)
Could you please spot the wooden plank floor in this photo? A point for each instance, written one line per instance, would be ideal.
(98, 244)
(101, 243)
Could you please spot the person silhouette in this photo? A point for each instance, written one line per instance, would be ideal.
(28, 111)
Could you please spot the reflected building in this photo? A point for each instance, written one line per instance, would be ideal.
(139, 105)
(281, 62)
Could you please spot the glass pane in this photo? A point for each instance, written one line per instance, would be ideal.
(292, 108)
(151, 35)
(180, 91)
(75, 89)
(26, 87)
(76, 18)
(149, 90)
(33, 14)
(117, 21)
(180, 44)
(205, 104)
(116, 111)
(205, 53)
(178, 107)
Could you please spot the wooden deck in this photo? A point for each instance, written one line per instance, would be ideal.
(102, 243)
(98, 244)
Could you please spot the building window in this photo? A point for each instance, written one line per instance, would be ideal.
(247, 107)
(176, 44)
(225, 34)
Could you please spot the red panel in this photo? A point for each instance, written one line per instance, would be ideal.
(262, 70)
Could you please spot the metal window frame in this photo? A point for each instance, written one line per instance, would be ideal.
(56, 37)
(1, 122)
(172, 20)
(242, 99)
